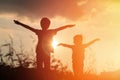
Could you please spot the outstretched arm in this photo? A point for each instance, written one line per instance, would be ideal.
(91, 42)
(65, 45)
(64, 27)
(24, 25)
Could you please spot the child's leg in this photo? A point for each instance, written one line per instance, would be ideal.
(47, 62)
(40, 62)
(40, 58)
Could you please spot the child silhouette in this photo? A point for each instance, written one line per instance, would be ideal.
(45, 37)
(78, 50)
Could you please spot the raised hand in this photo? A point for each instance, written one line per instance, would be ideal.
(70, 25)
(97, 39)
(60, 44)
(24, 25)
(16, 22)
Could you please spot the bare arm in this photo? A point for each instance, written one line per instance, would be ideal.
(91, 42)
(65, 45)
(64, 27)
(24, 25)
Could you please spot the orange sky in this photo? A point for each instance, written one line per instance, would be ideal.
(98, 24)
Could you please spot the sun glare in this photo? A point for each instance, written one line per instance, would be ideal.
(54, 43)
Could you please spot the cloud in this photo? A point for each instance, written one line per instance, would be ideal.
(72, 9)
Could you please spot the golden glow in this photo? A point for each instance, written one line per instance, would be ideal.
(105, 25)
(105, 53)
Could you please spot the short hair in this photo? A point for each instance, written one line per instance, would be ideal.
(78, 39)
(45, 22)
(79, 36)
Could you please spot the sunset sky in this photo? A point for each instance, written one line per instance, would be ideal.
(93, 19)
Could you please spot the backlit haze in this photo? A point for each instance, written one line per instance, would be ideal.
(93, 19)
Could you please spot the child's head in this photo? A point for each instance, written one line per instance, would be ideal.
(45, 23)
(78, 39)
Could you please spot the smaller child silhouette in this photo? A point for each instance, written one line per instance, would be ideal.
(78, 50)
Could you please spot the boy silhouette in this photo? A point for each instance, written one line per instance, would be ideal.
(78, 50)
(45, 38)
